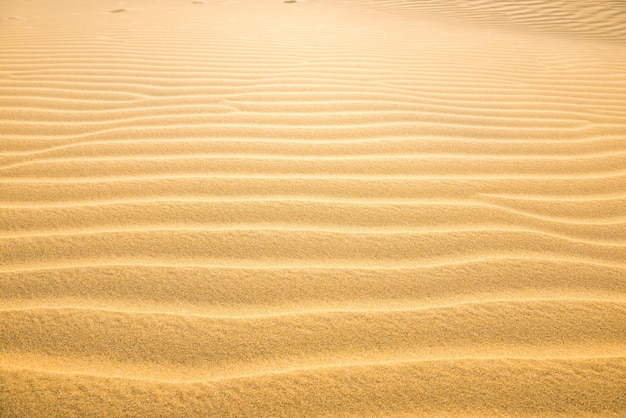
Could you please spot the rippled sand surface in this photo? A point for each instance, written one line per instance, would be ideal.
(322, 208)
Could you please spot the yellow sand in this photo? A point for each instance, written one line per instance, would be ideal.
(312, 208)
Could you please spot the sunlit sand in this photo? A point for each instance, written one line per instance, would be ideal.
(312, 208)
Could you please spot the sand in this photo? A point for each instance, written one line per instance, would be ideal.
(323, 208)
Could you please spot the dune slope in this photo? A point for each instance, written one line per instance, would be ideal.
(312, 208)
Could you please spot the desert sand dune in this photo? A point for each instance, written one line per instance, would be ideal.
(313, 208)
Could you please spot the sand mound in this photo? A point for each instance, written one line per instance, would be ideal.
(322, 208)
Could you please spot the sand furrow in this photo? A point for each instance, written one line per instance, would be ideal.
(571, 206)
(223, 288)
(73, 190)
(388, 231)
(355, 179)
(373, 109)
(428, 128)
(189, 338)
(42, 151)
(295, 213)
(419, 389)
(341, 265)
(179, 374)
(426, 144)
(521, 104)
(293, 90)
(297, 244)
(408, 167)
(164, 156)
(326, 113)
(255, 312)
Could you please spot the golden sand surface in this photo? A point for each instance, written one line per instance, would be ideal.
(321, 208)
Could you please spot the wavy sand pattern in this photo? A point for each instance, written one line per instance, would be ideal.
(313, 208)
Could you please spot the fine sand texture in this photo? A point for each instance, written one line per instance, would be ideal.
(312, 208)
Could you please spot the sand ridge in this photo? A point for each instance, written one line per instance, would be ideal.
(312, 208)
